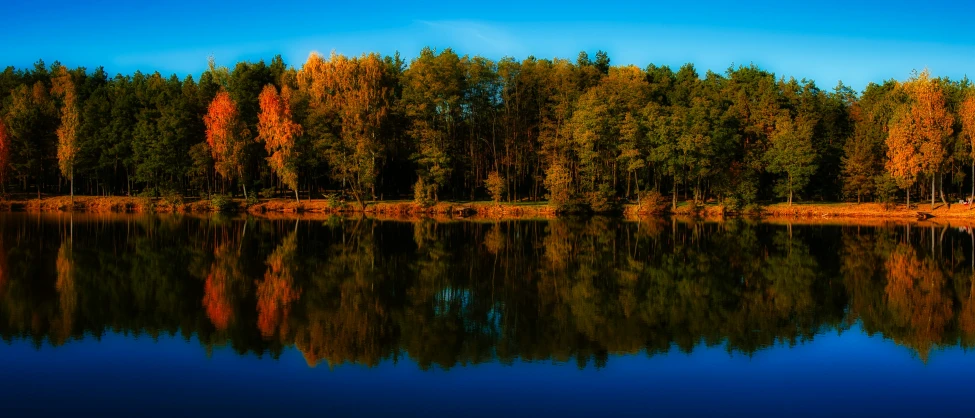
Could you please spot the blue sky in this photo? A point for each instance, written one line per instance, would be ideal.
(856, 42)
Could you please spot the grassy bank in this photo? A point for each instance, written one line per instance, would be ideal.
(284, 207)
(868, 210)
(517, 210)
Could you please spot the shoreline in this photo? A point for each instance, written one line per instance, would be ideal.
(286, 208)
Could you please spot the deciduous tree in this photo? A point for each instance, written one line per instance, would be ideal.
(432, 95)
(932, 121)
(354, 96)
(791, 153)
(278, 131)
(227, 138)
(903, 152)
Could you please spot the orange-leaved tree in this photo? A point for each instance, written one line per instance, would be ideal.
(68, 131)
(903, 157)
(226, 135)
(916, 140)
(358, 93)
(278, 131)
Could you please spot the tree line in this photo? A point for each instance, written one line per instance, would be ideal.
(445, 126)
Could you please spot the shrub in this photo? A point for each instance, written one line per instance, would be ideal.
(573, 208)
(651, 202)
(221, 203)
(558, 181)
(733, 204)
(334, 200)
(173, 198)
(495, 185)
(422, 193)
(147, 204)
(753, 209)
(603, 199)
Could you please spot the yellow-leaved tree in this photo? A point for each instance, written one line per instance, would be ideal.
(916, 139)
(356, 94)
(68, 131)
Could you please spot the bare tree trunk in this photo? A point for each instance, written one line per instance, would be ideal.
(636, 180)
(790, 189)
(941, 193)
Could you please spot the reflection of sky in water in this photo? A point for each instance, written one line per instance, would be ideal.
(847, 374)
(453, 300)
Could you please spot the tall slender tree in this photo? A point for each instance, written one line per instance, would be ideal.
(278, 131)
(903, 152)
(227, 138)
(792, 154)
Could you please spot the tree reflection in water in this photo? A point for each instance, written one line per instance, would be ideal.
(455, 293)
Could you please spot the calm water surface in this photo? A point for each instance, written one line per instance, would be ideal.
(175, 315)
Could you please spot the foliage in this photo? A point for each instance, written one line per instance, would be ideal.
(558, 181)
(222, 203)
(201, 167)
(792, 154)
(278, 132)
(334, 200)
(350, 102)
(423, 192)
(602, 200)
(495, 185)
(916, 143)
(433, 88)
(226, 136)
(651, 202)
(581, 131)
(67, 133)
(173, 198)
(886, 187)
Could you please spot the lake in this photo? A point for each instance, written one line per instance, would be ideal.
(163, 315)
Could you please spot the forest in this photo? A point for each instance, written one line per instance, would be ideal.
(449, 127)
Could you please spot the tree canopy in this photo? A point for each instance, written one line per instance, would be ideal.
(445, 125)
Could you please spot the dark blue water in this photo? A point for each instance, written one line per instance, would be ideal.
(116, 316)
